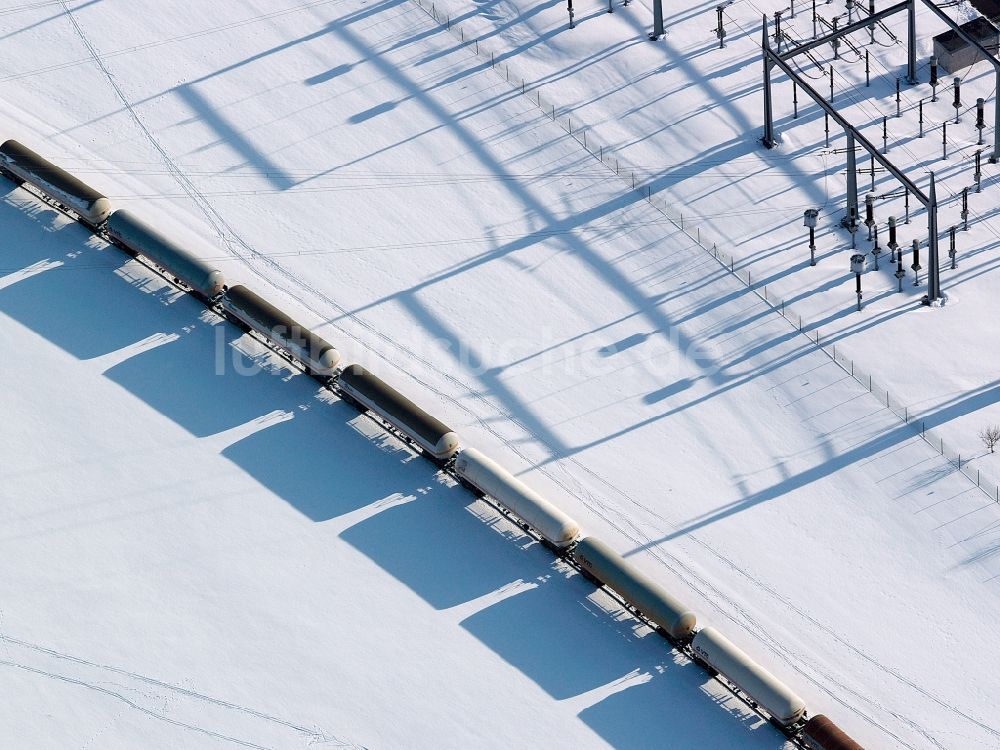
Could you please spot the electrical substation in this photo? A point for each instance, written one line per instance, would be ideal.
(905, 96)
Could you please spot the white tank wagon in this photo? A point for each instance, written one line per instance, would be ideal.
(136, 236)
(635, 587)
(762, 687)
(359, 385)
(256, 313)
(554, 526)
(23, 165)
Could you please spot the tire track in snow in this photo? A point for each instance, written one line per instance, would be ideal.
(314, 734)
(132, 704)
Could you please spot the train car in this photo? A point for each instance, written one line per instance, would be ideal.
(822, 734)
(256, 313)
(770, 693)
(23, 165)
(554, 526)
(634, 586)
(439, 440)
(136, 236)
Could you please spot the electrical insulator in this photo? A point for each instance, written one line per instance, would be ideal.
(934, 71)
(958, 88)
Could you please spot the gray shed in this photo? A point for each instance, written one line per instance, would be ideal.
(955, 54)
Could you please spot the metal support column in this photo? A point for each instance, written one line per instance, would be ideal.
(840, 120)
(996, 123)
(768, 139)
(911, 43)
(657, 20)
(852, 179)
(934, 270)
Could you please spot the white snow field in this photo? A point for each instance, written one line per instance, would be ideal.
(194, 557)
(196, 560)
(687, 117)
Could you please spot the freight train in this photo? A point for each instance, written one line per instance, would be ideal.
(596, 560)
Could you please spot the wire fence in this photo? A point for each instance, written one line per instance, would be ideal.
(849, 366)
(642, 184)
(576, 128)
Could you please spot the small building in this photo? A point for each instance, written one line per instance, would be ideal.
(955, 54)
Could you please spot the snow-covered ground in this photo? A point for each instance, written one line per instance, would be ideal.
(195, 559)
(249, 560)
(686, 117)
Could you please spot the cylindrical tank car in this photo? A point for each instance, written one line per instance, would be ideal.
(822, 734)
(439, 440)
(634, 586)
(554, 526)
(136, 236)
(770, 693)
(24, 165)
(319, 356)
